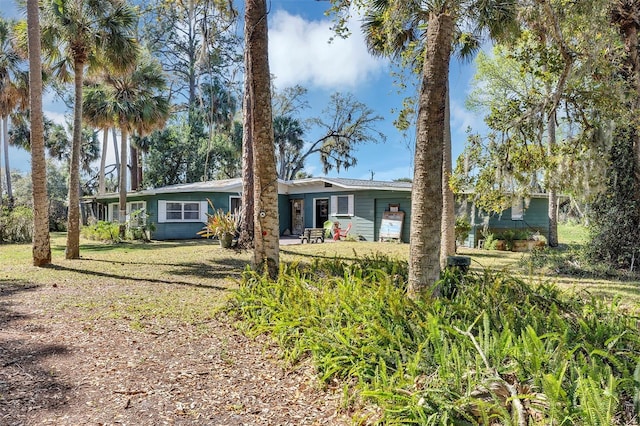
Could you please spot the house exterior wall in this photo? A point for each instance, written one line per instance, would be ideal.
(367, 216)
(535, 219)
(284, 212)
(382, 202)
(368, 204)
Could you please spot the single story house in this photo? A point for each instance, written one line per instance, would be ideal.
(376, 210)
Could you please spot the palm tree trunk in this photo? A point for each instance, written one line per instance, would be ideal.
(7, 167)
(103, 161)
(133, 153)
(116, 150)
(139, 169)
(41, 249)
(122, 184)
(73, 216)
(448, 228)
(267, 232)
(247, 220)
(426, 196)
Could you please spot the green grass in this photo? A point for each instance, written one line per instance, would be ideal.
(336, 303)
(571, 233)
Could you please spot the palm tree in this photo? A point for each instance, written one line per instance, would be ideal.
(266, 226)
(96, 113)
(288, 139)
(136, 102)
(41, 241)
(395, 29)
(11, 92)
(75, 34)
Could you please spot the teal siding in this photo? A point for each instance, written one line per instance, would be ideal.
(184, 230)
(284, 212)
(368, 206)
(535, 219)
(178, 230)
(382, 205)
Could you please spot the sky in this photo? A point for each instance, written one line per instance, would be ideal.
(300, 52)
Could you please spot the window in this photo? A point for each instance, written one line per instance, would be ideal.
(138, 207)
(182, 211)
(342, 205)
(517, 210)
(235, 203)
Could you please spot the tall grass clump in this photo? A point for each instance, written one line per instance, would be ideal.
(495, 351)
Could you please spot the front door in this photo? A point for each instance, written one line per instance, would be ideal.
(321, 212)
(297, 216)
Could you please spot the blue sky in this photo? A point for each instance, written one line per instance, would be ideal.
(300, 53)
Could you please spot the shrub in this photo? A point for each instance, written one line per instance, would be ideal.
(497, 351)
(102, 231)
(462, 229)
(16, 225)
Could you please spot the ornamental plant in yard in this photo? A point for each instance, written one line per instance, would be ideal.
(219, 223)
(496, 351)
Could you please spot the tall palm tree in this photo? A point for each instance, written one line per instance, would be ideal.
(41, 242)
(397, 28)
(136, 101)
(96, 113)
(11, 92)
(266, 226)
(76, 34)
(288, 133)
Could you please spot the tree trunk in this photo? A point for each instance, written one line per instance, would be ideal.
(103, 161)
(553, 197)
(1, 142)
(116, 149)
(139, 169)
(267, 232)
(448, 227)
(122, 185)
(73, 216)
(426, 196)
(7, 167)
(41, 249)
(133, 153)
(247, 220)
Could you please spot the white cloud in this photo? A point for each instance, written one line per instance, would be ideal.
(462, 118)
(300, 53)
(56, 117)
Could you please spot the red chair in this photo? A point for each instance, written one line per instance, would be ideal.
(338, 233)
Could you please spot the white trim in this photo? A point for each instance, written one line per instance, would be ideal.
(350, 205)
(113, 208)
(162, 211)
(204, 209)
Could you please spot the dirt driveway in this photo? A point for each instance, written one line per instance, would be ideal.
(61, 365)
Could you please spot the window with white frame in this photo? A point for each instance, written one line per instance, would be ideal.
(137, 207)
(517, 209)
(182, 211)
(342, 205)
